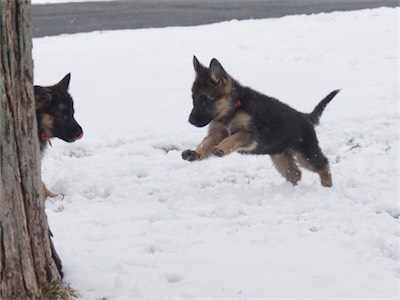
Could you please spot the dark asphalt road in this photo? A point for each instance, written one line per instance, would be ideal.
(56, 19)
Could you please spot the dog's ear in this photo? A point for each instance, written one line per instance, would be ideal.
(64, 83)
(197, 65)
(42, 94)
(218, 74)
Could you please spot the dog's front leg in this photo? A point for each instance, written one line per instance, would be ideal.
(216, 133)
(239, 141)
(48, 193)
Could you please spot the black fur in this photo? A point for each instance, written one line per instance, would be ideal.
(244, 120)
(317, 112)
(55, 113)
(55, 116)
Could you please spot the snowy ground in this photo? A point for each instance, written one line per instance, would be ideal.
(139, 222)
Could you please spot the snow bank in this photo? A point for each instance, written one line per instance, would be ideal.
(138, 221)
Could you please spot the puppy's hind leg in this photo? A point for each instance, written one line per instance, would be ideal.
(325, 175)
(317, 162)
(286, 165)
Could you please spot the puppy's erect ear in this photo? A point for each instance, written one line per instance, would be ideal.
(218, 74)
(64, 83)
(197, 65)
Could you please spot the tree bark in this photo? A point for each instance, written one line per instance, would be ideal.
(27, 257)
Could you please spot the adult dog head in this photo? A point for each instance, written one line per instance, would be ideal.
(55, 113)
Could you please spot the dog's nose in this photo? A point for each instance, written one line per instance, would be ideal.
(79, 136)
(78, 133)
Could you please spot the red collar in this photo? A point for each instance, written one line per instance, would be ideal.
(238, 104)
(44, 138)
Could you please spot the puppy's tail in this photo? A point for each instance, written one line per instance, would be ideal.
(318, 110)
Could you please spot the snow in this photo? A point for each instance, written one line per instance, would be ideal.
(139, 222)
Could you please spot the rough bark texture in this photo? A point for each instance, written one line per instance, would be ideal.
(27, 258)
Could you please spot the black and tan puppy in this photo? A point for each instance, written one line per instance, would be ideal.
(241, 119)
(55, 116)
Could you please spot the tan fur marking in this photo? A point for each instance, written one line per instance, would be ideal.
(223, 108)
(46, 124)
(241, 121)
(216, 133)
(226, 85)
(238, 141)
(303, 161)
(325, 176)
(286, 165)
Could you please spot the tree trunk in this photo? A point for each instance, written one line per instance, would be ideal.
(27, 256)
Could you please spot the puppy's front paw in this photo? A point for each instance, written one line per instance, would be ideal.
(190, 155)
(217, 151)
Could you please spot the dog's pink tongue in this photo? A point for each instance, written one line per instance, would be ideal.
(79, 137)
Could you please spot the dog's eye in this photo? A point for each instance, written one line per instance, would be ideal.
(62, 115)
(204, 100)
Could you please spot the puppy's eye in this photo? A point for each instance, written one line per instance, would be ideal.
(62, 115)
(204, 100)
